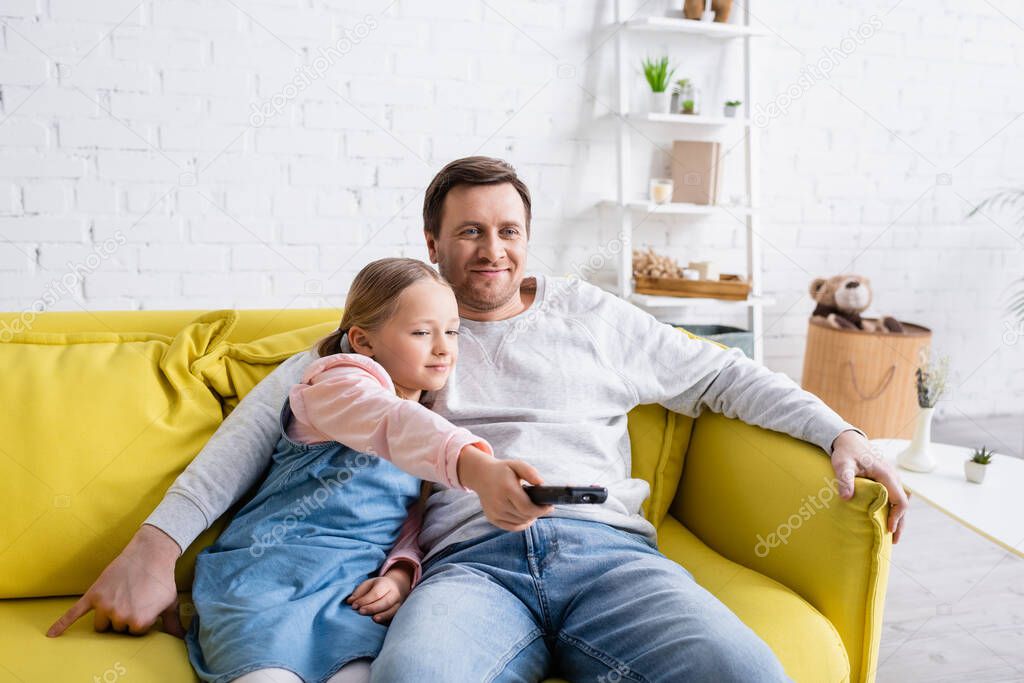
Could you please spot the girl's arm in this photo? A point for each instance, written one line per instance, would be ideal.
(350, 398)
(402, 566)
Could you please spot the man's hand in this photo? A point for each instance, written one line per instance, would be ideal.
(854, 456)
(134, 590)
(497, 482)
(381, 596)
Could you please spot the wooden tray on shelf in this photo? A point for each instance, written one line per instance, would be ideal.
(731, 287)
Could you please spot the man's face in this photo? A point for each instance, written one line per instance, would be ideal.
(481, 249)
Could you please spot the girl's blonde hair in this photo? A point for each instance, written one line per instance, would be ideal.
(373, 297)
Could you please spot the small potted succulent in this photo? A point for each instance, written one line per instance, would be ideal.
(658, 75)
(731, 107)
(974, 469)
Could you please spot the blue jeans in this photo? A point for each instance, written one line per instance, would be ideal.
(569, 597)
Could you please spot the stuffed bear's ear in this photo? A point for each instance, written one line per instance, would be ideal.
(816, 286)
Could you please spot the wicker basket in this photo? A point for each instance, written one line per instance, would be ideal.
(867, 377)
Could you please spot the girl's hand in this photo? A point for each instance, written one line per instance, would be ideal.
(497, 482)
(381, 596)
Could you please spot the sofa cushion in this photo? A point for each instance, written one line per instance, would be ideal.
(658, 439)
(81, 653)
(253, 323)
(806, 643)
(96, 426)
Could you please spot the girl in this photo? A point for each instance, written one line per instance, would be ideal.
(270, 594)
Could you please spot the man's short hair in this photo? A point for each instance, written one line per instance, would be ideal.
(469, 171)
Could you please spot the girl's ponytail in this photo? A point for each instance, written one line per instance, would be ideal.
(332, 343)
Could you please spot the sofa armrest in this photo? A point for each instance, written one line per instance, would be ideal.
(768, 501)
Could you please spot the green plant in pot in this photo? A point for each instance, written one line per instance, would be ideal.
(975, 468)
(689, 97)
(658, 75)
(731, 107)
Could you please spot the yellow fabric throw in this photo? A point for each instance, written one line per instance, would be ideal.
(237, 367)
(96, 426)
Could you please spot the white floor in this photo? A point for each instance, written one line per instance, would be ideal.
(955, 605)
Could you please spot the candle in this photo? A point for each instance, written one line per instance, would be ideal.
(707, 269)
(661, 190)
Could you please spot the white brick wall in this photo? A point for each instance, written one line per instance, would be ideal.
(138, 123)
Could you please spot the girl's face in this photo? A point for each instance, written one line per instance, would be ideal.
(418, 346)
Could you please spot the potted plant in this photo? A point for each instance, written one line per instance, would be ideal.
(689, 97)
(931, 383)
(731, 107)
(658, 75)
(974, 469)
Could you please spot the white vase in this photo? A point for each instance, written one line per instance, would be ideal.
(661, 102)
(916, 457)
(974, 471)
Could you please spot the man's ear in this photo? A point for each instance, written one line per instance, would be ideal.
(360, 341)
(431, 245)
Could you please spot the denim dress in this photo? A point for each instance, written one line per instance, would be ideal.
(270, 592)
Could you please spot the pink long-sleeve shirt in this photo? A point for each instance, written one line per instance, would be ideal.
(351, 399)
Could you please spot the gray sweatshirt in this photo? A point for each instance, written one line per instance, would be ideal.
(550, 386)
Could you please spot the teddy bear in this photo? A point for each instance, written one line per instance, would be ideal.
(842, 298)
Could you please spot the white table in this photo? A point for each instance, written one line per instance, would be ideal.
(994, 508)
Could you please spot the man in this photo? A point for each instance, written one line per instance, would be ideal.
(549, 368)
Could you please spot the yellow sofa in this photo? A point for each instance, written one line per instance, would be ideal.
(104, 409)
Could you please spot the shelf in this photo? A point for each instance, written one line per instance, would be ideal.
(679, 208)
(631, 202)
(712, 29)
(689, 119)
(650, 301)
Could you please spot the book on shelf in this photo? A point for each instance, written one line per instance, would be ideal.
(696, 172)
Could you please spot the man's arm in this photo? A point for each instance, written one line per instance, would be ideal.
(138, 586)
(663, 365)
(231, 461)
(686, 375)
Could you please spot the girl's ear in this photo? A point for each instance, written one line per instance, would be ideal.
(359, 340)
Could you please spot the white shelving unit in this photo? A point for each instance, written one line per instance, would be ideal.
(703, 28)
(629, 206)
